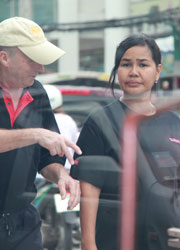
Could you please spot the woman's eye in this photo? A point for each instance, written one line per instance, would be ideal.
(143, 65)
(125, 65)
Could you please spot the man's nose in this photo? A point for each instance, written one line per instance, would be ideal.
(41, 68)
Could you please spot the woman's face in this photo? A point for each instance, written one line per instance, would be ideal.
(137, 71)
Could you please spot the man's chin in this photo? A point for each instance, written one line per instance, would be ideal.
(30, 83)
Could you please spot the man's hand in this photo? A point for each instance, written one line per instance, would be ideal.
(68, 184)
(57, 144)
(58, 174)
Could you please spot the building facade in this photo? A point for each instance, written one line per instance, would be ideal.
(94, 48)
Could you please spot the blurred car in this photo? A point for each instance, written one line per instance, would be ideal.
(82, 92)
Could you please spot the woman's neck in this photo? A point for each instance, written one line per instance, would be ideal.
(142, 106)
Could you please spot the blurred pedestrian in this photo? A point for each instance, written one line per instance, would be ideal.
(65, 122)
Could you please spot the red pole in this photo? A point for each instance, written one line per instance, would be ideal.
(128, 184)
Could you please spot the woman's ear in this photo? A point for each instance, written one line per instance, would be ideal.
(159, 68)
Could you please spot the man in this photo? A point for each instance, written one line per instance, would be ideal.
(29, 138)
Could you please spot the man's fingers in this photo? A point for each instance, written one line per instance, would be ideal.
(67, 184)
(62, 189)
(65, 151)
(73, 146)
(57, 143)
(52, 151)
(74, 196)
(69, 157)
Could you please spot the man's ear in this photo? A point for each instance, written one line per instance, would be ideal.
(3, 58)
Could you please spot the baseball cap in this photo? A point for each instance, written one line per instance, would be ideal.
(30, 39)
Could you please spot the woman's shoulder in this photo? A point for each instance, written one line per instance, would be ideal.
(107, 118)
(170, 116)
(107, 109)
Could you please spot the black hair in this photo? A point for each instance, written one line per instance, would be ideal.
(131, 41)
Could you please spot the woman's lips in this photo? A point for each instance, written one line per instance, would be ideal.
(133, 84)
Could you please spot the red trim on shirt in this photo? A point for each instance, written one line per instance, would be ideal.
(23, 102)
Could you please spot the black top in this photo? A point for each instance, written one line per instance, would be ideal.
(18, 168)
(159, 140)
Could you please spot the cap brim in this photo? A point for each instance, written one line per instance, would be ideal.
(44, 53)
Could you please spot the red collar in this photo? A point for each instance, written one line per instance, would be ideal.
(23, 102)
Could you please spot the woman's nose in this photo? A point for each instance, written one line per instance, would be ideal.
(133, 71)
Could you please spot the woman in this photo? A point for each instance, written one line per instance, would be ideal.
(138, 67)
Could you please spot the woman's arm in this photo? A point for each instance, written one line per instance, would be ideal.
(88, 213)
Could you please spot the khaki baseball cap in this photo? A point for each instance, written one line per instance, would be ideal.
(30, 39)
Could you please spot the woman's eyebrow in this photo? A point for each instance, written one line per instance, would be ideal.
(142, 60)
(125, 59)
(138, 59)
